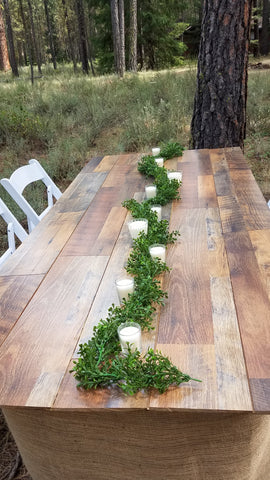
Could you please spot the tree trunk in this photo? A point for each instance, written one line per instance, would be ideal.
(265, 36)
(133, 34)
(34, 40)
(219, 116)
(118, 32)
(50, 33)
(256, 47)
(4, 60)
(28, 42)
(82, 35)
(69, 30)
(12, 56)
(121, 11)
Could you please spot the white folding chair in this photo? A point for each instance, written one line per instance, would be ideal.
(268, 203)
(13, 228)
(22, 177)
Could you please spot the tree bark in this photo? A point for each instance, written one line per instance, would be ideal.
(82, 35)
(133, 34)
(69, 30)
(12, 56)
(219, 116)
(50, 33)
(265, 36)
(28, 42)
(34, 39)
(118, 32)
(256, 46)
(4, 60)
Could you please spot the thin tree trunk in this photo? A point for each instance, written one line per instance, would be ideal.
(121, 13)
(12, 56)
(219, 116)
(256, 47)
(115, 34)
(69, 30)
(50, 33)
(34, 39)
(133, 34)
(4, 60)
(28, 41)
(265, 36)
(82, 35)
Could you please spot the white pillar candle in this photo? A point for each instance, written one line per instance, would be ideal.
(175, 176)
(130, 332)
(158, 251)
(159, 162)
(158, 209)
(150, 191)
(155, 151)
(124, 286)
(137, 226)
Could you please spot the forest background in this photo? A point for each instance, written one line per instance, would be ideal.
(80, 78)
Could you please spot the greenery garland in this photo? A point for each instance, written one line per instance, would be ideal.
(101, 363)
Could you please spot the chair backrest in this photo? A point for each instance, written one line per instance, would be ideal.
(268, 203)
(13, 228)
(22, 177)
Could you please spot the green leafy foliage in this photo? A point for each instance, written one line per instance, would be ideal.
(101, 362)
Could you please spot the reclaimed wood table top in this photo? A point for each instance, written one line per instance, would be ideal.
(215, 325)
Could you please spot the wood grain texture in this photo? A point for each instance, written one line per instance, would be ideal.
(41, 248)
(187, 316)
(35, 356)
(15, 293)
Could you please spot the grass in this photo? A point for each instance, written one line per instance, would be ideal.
(65, 119)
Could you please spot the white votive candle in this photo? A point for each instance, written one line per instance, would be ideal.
(155, 151)
(137, 226)
(130, 333)
(158, 251)
(124, 286)
(150, 191)
(175, 176)
(159, 162)
(158, 210)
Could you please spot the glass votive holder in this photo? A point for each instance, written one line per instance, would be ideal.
(158, 251)
(159, 161)
(151, 191)
(124, 287)
(129, 334)
(175, 176)
(155, 151)
(158, 210)
(137, 226)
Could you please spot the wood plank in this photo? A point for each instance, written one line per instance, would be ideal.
(254, 208)
(36, 354)
(15, 293)
(217, 263)
(207, 192)
(109, 233)
(80, 192)
(92, 164)
(198, 361)
(187, 315)
(252, 303)
(106, 164)
(231, 214)
(40, 249)
(260, 240)
(260, 390)
(235, 158)
(233, 389)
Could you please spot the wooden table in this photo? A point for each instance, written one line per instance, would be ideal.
(215, 326)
